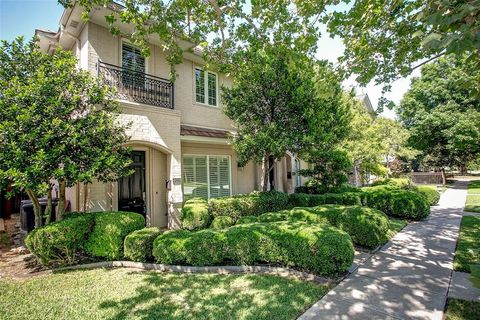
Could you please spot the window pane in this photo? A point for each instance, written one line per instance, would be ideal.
(212, 89)
(134, 63)
(199, 85)
(195, 182)
(219, 169)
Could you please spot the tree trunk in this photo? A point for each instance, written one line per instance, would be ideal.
(444, 177)
(356, 174)
(37, 208)
(265, 172)
(48, 210)
(61, 200)
(85, 197)
(463, 170)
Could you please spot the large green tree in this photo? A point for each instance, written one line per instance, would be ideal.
(283, 101)
(57, 123)
(442, 114)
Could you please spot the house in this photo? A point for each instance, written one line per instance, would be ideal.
(178, 130)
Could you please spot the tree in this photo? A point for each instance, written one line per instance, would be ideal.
(442, 114)
(283, 101)
(56, 123)
(385, 40)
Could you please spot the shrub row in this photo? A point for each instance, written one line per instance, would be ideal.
(195, 215)
(99, 234)
(138, 245)
(367, 227)
(430, 193)
(317, 248)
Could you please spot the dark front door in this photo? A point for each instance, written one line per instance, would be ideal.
(131, 189)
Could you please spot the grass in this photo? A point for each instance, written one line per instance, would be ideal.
(474, 187)
(473, 203)
(468, 245)
(395, 226)
(127, 294)
(462, 310)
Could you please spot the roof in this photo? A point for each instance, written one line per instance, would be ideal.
(186, 130)
(365, 99)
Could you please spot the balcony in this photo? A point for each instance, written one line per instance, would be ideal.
(138, 86)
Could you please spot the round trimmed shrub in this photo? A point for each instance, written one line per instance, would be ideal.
(409, 205)
(195, 214)
(333, 198)
(222, 222)
(430, 193)
(206, 247)
(274, 216)
(59, 242)
(109, 232)
(368, 227)
(169, 247)
(316, 200)
(247, 219)
(138, 245)
(298, 200)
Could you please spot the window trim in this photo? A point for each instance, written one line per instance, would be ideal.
(208, 170)
(205, 78)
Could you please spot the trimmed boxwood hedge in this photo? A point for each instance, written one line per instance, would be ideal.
(247, 219)
(430, 193)
(138, 245)
(367, 227)
(195, 215)
(222, 222)
(111, 228)
(59, 243)
(252, 204)
(321, 249)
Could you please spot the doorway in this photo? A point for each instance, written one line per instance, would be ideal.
(132, 189)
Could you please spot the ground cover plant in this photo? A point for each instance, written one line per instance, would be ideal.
(128, 294)
(468, 245)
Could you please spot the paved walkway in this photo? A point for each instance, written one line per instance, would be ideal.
(409, 277)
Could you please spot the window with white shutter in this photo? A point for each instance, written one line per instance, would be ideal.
(206, 83)
(206, 176)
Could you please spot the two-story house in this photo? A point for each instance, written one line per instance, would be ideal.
(178, 130)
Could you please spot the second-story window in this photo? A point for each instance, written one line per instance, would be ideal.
(134, 63)
(205, 87)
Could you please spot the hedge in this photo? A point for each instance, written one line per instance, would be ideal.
(222, 222)
(299, 200)
(59, 242)
(195, 215)
(247, 219)
(367, 227)
(138, 245)
(403, 204)
(320, 249)
(430, 193)
(252, 204)
(111, 228)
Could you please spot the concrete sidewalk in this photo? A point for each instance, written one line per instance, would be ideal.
(409, 277)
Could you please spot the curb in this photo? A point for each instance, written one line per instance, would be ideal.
(277, 271)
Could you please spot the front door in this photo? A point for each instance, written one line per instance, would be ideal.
(132, 189)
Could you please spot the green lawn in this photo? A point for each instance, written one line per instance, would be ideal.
(395, 226)
(473, 203)
(474, 187)
(462, 310)
(127, 294)
(468, 246)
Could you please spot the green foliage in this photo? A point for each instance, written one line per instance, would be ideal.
(246, 219)
(222, 222)
(252, 204)
(329, 168)
(367, 227)
(274, 216)
(430, 193)
(138, 245)
(443, 114)
(473, 203)
(313, 187)
(316, 200)
(462, 309)
(347, 198)
(59, 243)
(195, 214)
(403, 204)
(299, 200)
(401, 183)
(474, 187)
(314, 248)
(109, 232)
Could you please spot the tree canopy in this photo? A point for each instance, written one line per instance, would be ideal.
(56, 123)
(442, 114)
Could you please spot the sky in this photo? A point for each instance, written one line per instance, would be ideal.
(22, 17)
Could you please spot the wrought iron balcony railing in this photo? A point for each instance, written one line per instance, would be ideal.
(138, 86)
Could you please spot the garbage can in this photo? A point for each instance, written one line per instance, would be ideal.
(27, 216)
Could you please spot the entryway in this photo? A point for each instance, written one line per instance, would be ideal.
(132, 189)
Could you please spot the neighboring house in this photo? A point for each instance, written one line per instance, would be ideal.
(178, 130)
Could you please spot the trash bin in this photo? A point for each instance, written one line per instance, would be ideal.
(27, 217)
